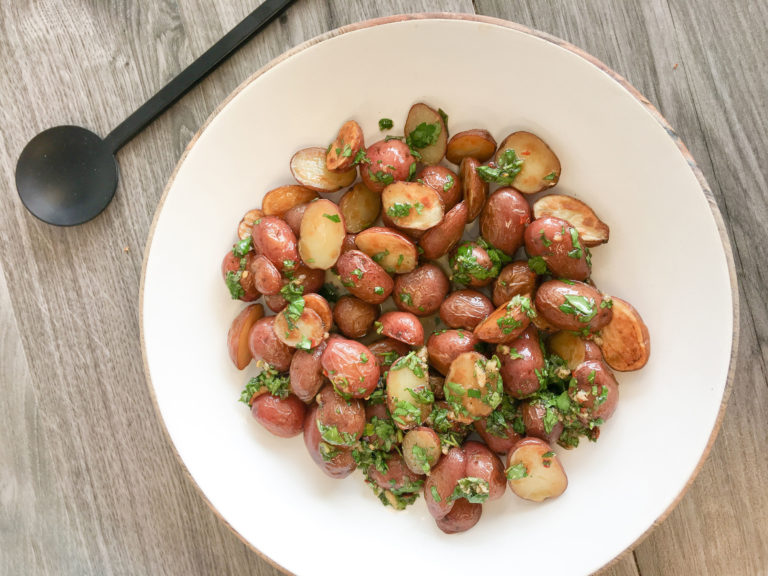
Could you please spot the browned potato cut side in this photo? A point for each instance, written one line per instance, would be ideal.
(625, 341)
(475, 189)
(278, 201)
(441, 239)
(477, 143)
(422, 119)
(412, 205)
(393, 251)
(574, 349)
(541, 167)
(305, 332)
(507, 322)
(322, 234)
(474, 383)
(534, 472)
(360, 207)
(321, 307)
(349, 141)
(592, 230)
(309, 169)
(246, 223)
(421, 449)
(237, 337)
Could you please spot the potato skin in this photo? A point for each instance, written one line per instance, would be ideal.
(463, 516)
(504, 219)
(397, 476)
(293, 217)
(265, 276)
(444, 477)
(484, 464)
(422, 291)
(506, 323)
(444, 181)
(553, 240)
(382, 155)
(339, 462)
(363, 277)
(402, 326)
(384, 349)
(465, 309)
(265, 345)
(445, 346)
(283, 417)
(306, 372)
(604, 383)
(351, 367)
(354, 317)
(515, 278)
(441, 239)
(533, 419)
(552, 294)
(496, 443)
(520, 359)
(273, 238)
(348, 416)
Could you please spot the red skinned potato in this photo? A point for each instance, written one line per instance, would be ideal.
(474, 188)
(305, 331)
(463, 516)
(322, 234)
(321, 307)
(275, 302)
(311, 279)
(335, 461)
(441, 239)
(265, 345)
(237, 337)
(310, 170)
(558, 244)
(597, 392)
(515, 278)
(392, 250)
(273, 238)
(572, 306)
(507, 322)
(520, 360)
(574, 349)
(541, 167)
(388, 350)
(412, 205)
(265, 276)
(363, 277)
(388, 161)
(294, 216)
(445, 346)
(279, 201)
(238, 278)
(246, 223)
(283, 417)
(471, 265)
(537, 425)
(465, 309)
(306, 373)
(500, 441)
(421, 291)
(484, 464)
(474, 383)
(397, 478)
(421, 449)
(534, 471)
(444, 181)
(351, 367)
(341, 422)
(354, 317)
(360, 207)
(441, 483)
(504, 218)
(349, 243)
(592, 230)
(425, 131)
(342, 152)
(625, 341)
(402, 326)
(477, 144)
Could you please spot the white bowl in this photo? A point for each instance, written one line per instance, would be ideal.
(668, 255)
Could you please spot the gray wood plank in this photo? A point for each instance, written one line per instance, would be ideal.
(698, 62)
(116, 500)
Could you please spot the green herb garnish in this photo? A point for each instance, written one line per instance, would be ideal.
(506, 170)
(385, 124)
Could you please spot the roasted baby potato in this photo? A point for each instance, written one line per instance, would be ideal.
(387, 161)
(335, 461)
(293, 217)
(341, 154)
(445, 346)
(412, 206)
(309, 169)
(625, 341)
(507, 322)
(305, 331)
(322, 234)
(360, 207)
(246, 223)
(474, 189)
(351, 367)
(515, 278)
(279, 200)
(465, 309)
(557, 244)
(573, 306)
(265, 345)
(477, 144)
(341, 421)
(521, 361)
(283, 417)
(363, 277)
(597, 392)
(426, 132)
(273, 238)
(441, 239)
(483, 464)
(471, 265)
(393, 251)
(463, 516)
(402, 326)
(440, 484)
(421, 449)
(321, 307)
(265, 276)
(537, 424)
(398, 478)
(592, 230)
(504, 218)
(574, 349)
(444, 181)
(354, 317)
(306, 373)
(534, 472)
(237, 337)
(421, 291)
(541, 168)
(474, 383)
(409, 396)
(387, 350)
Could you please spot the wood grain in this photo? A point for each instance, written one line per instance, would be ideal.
(88, 484)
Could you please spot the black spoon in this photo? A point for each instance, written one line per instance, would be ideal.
(67, 175)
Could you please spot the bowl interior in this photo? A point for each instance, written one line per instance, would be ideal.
(665, 256)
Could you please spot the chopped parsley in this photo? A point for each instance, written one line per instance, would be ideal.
(448, 183)
(364, 358)
(380, 176)
(332, 435)
(465, 266)
(544, 240)
(435, 494)
(361, 158)
(551, 176)
(292, 292)
(517, 471)
(420, 457)
(270, 380)
(241, 248)
(506, 170)
(538, 265)
(399, 210)
(475, 490)
(332, 217)
(577, 251)
(233, 283)
(357, 272)
(423, 396)
(385, 124)
(581, 307)
(406, 412)
(379, 256)
(378, 290)
(414, 363)
(423, 135)
(443, 115)
(406, 299)
(606, 303)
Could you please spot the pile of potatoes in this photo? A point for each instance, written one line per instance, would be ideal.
(354, 268)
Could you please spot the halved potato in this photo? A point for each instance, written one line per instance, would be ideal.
(534, 471)
(309, 169)
(322, 234)
(421, 449)
(341, 155)
(477, 143)
(393, 251)
(321, 307)
(401, 326)
(408, 391)
(237, 338)
(625, 341)
(474, 383)
(419, 129)
(278, 201)
(541, 167)
(360, 206)
(412, 205)
(474, 188)
(507, 322)
(574, 349)
(246, 223)
(305, 332)
(591, 229)
(441, 239)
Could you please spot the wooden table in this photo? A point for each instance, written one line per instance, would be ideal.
(88, 482)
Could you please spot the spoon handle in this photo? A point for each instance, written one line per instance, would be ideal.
(195, 72)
